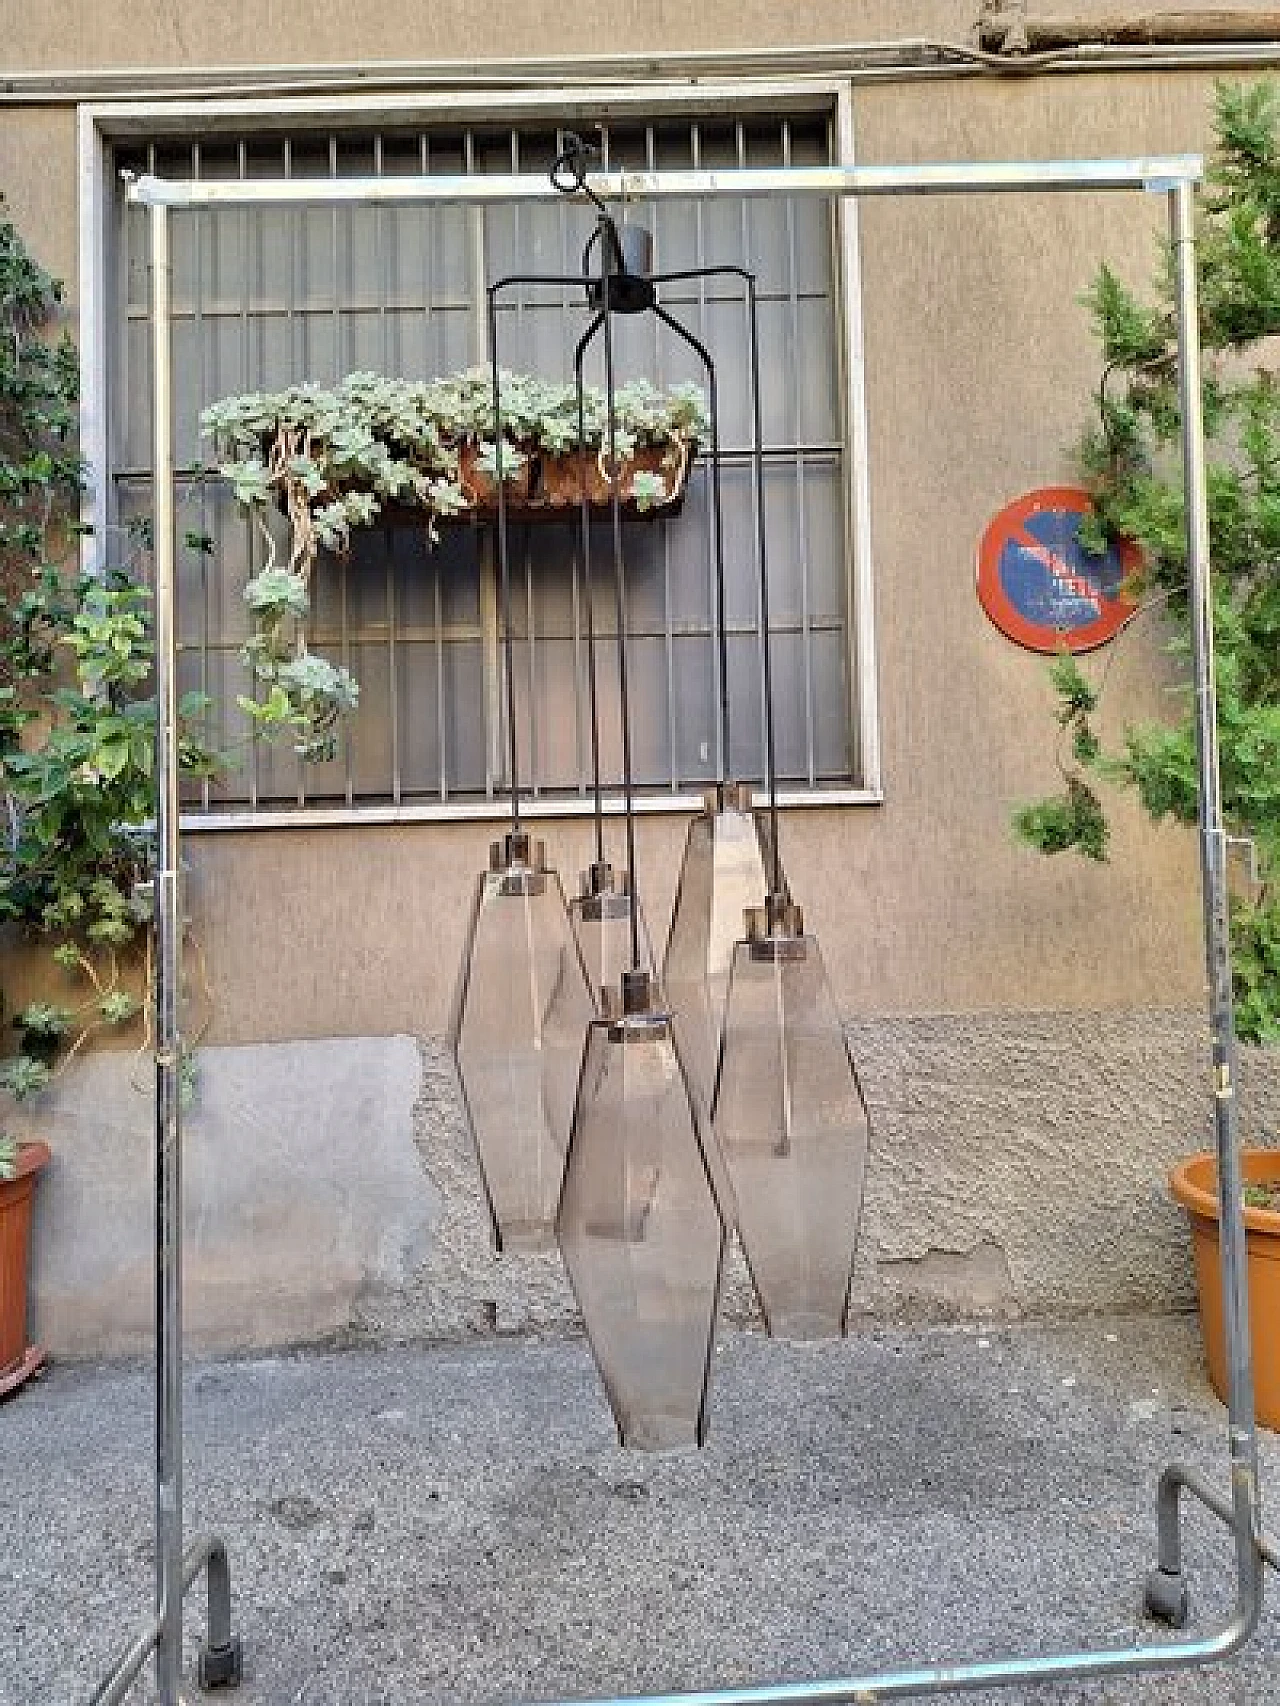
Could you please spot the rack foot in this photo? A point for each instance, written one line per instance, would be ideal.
(1167, 1597)
(222, 1666)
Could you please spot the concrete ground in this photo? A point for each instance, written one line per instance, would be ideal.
(456, 1524)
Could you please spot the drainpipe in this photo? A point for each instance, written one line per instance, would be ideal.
(1003, 27)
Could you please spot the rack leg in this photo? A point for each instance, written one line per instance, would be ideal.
(1167, 1596)
(220, 1664)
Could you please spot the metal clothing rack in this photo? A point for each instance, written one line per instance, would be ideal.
(1173, 177)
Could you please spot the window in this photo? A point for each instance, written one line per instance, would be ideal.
(264, 297)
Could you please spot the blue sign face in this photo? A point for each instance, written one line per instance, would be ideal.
(1040, 586)
(1049, 578)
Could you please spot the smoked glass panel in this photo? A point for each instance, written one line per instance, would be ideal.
(641, 1235)
(522, 1016)
(792, 1129)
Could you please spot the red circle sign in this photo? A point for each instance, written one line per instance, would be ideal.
(1041, 587)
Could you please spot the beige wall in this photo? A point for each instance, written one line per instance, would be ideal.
(85, 33)
(979, 367)
(234, 32)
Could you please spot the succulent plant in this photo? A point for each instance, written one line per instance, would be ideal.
(333, 457)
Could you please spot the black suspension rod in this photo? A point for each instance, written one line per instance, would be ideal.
(585, 506)
(757, 462)
(717, 528)
(504, 563)
(620, 575)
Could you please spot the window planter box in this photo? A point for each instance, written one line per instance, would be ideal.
(548, 487)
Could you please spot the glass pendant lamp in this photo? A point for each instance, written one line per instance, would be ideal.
(791, 1125)
(523, 1007)
(523, 1000)
(639, 1227)
(731, 858)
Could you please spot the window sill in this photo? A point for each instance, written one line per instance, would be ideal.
(495, 810)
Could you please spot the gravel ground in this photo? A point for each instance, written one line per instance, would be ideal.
(447, 1525)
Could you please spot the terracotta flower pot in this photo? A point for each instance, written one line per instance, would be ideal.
(18, 1360)
(1195, 1185)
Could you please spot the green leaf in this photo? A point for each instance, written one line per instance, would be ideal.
(23, 1076)
(1068, 822)
(1078, 697)
(117, 1007)
(41, 1019)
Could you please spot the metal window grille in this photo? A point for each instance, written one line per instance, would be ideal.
(266, 297)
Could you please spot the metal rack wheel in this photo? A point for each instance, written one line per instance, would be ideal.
(1167, 1598)
(221, 1667)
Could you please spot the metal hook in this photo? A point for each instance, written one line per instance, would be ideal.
(569, 169)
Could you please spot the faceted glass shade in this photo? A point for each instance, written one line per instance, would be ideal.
(601, 918)
(522, 1013)
(726, 858)
(640, 1232)
(724, 873)
(793, 1131)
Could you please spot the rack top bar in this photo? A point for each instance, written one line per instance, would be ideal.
(1154, 173)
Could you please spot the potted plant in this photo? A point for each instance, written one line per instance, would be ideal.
(424, 453)
(1128, 461)
(1195, 1186)
(19, 1165)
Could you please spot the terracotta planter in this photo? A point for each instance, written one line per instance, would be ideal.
(549, 488)
(1195, 1185)
(18, 1359)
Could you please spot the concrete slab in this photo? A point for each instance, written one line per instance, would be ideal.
(435, 1527)
(304, 1194)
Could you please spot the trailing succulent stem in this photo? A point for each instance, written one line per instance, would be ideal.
(76, 724)
(334, 459)
(1129, 460)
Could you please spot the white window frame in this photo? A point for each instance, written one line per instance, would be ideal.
(101, 125)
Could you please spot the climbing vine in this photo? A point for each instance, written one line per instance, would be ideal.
(1129, 460)
(76, 719)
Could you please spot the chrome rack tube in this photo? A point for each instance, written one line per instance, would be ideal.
(1245, 1495)
(1176, 1479)
(220, 1656)
(168, 1046)
(944, 178)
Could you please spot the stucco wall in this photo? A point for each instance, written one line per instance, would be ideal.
(1017, 1168)
(976, 976)
(257, 32)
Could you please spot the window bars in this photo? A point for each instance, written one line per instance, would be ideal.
(262, 293)
(1176, 179)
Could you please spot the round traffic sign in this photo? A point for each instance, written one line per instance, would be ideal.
(1041, 587)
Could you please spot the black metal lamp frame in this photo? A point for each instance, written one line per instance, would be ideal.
(620, 287)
